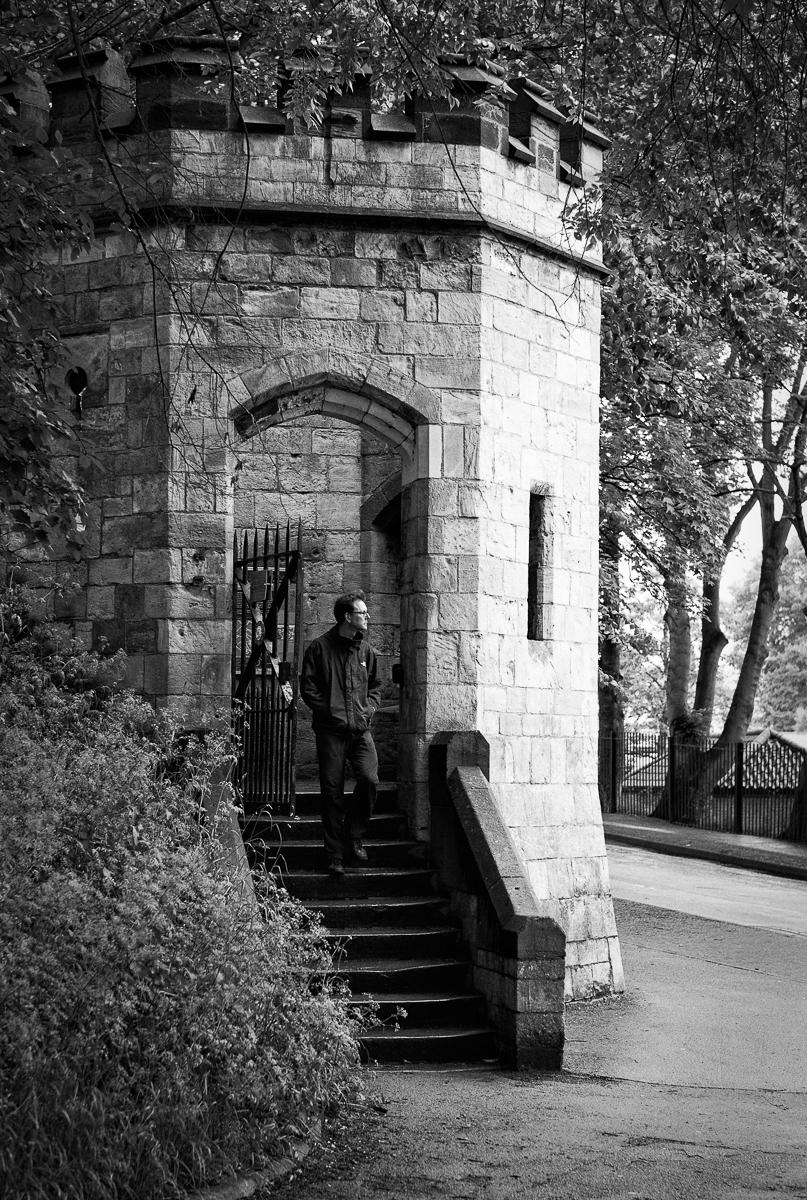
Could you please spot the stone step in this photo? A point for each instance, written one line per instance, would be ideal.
(309, 854)
(311, 886)
(438, 941)
(391, 933)
(424, 1008)
(308, 801)
(383, 826)
(341, 913)
(386, 975)
(430, 1044)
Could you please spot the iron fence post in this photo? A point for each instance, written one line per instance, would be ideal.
(671, 778)
(738, 786)
(613, 770)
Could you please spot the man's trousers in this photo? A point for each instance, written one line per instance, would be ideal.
(346, 819)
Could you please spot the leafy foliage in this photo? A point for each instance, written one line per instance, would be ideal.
(326, 45)
(704, 223)
(156, 1030)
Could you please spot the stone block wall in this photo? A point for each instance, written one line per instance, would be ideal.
(540, 435)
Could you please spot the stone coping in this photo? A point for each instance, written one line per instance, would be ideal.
(494, 850)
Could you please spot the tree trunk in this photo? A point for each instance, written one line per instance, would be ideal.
(679, 635)
(717, 761)
(713, 643)
(672, 800)
(741, 710)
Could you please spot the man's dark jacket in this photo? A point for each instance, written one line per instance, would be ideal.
(339, 682)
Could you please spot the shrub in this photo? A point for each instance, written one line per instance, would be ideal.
(157, 1029)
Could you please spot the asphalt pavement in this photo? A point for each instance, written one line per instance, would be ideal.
(693, 1085)
(705, 889)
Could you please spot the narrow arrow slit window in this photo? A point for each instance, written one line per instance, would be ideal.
(538, 625)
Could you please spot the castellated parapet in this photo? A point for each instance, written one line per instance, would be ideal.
(311, 324)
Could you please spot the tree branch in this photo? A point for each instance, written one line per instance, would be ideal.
(733, 531)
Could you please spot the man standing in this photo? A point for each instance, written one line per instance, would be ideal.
(339, 683)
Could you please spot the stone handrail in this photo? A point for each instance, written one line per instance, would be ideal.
(518, 953)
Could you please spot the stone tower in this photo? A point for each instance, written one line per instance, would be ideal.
(381, 327)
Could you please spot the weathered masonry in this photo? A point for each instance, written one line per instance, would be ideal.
(383, 329)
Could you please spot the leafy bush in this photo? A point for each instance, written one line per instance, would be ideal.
(157, 1028)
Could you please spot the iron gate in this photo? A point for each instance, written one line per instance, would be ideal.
(267, 651)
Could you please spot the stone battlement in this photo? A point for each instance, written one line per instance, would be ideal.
(163, 87)
(499, 152)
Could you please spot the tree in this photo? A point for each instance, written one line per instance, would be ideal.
(645, 662)
(782, 697)
(703, 220)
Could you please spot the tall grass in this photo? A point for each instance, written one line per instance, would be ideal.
(157, 1031)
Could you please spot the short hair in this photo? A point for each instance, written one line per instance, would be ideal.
(345, 604)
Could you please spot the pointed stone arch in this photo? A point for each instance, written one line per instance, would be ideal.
(369, 394)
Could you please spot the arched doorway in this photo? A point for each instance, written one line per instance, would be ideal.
(351, 451)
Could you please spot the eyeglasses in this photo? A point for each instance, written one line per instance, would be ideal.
(359, 612)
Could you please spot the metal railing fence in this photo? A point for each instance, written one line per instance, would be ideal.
(757, 788)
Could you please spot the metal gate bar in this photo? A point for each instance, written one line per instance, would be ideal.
(266, 657)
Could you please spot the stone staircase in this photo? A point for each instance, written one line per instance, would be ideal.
(393, 938)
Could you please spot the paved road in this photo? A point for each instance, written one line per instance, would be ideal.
(691, 1087)
(708, 1004)
(706, 889)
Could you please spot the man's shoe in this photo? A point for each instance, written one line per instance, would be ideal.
(358, 853)
(335, 867)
